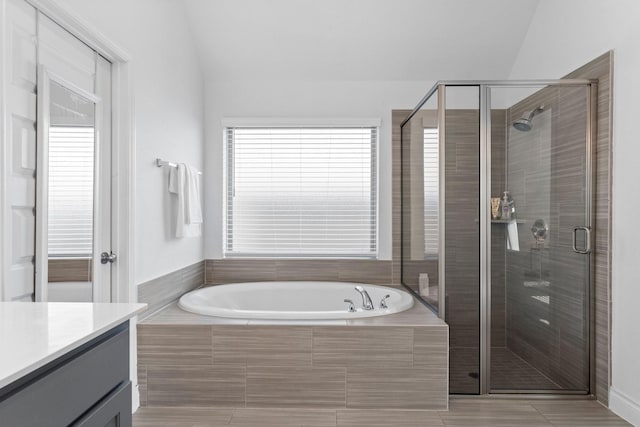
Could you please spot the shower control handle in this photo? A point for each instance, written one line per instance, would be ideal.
(352, 306)
(574, 243)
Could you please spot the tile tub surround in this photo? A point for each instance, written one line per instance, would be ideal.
(397, 361)
(162, 290)
(236, 270)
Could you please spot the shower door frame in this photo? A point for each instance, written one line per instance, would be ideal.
(484, 87)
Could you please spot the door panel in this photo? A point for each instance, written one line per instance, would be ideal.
(102, 218)
(540, 283)
(34, 40)
(19, 198)
(65, 55)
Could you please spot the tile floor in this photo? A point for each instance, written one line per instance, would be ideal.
(462, 412)
(509, 371)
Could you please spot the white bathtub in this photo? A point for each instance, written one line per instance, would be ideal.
(292, 300)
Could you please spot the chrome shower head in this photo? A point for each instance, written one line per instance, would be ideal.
(524, 124)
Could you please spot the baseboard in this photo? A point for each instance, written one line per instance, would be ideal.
(624, 406)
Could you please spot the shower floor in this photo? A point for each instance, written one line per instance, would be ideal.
(508, 372)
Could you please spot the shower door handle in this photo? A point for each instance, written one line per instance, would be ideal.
(587, 236)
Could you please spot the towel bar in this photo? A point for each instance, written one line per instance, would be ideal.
(160, 163)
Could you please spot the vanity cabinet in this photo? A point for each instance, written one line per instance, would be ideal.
(88, 386)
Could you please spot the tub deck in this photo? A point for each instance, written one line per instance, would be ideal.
(398, 361)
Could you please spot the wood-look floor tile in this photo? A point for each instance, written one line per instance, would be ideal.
(490, 413)
(174, 345)
(181, 417)
(462, 412)
(295, 387)
(283, 417)
(397, 388)
(578, 413)
(388, 418)
(262, 345)
(210, 386)
(363, 346)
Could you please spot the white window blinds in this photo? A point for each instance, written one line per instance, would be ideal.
(71, 159)
(431, 184)
(301, 192)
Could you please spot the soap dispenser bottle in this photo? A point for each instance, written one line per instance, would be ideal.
(507, 205)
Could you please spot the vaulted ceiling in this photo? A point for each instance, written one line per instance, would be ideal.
(358, 39)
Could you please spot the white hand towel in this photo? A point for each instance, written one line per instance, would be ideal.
(513, 243)
(194, 208)
(179, 185)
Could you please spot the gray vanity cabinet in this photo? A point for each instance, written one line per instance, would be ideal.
(87, 387)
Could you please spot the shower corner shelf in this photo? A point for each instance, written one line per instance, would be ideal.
(507, 221)
(504, 221)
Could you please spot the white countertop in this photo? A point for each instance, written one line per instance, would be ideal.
(33, 334)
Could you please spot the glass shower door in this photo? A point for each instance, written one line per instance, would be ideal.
(540, 239)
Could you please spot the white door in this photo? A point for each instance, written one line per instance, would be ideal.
(19, 160)
(74, 169)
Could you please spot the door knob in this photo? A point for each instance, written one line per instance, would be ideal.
(106, 257)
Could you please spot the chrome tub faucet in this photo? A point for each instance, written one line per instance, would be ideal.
(367, 304)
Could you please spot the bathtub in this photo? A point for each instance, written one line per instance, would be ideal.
(292, 300)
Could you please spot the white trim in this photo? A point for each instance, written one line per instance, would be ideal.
(41, 264)
(228, 122)
(3, 147)
(80, 28)
(624, 406)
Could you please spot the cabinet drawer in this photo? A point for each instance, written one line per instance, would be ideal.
(113, 411)
(67, 388)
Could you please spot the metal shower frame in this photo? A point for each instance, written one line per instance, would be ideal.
(484, 87)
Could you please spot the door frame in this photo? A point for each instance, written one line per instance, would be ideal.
(485, 230)
(123, 287)
(45, 78)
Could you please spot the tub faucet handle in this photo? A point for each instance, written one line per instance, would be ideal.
(383, 301)
(352, 306)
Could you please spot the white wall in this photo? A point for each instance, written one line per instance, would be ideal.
(301, 99)
(168, 92)
(564, 35)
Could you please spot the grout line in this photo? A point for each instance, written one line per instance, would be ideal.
(541, 414)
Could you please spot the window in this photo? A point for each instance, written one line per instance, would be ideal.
(431, 184)
(71, 157)
(301, 192)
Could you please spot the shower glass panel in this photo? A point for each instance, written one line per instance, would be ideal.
(539, 279)
(420, 203)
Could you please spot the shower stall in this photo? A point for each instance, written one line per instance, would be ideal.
(497, 181)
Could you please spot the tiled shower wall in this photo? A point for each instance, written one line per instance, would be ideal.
(462, 260)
